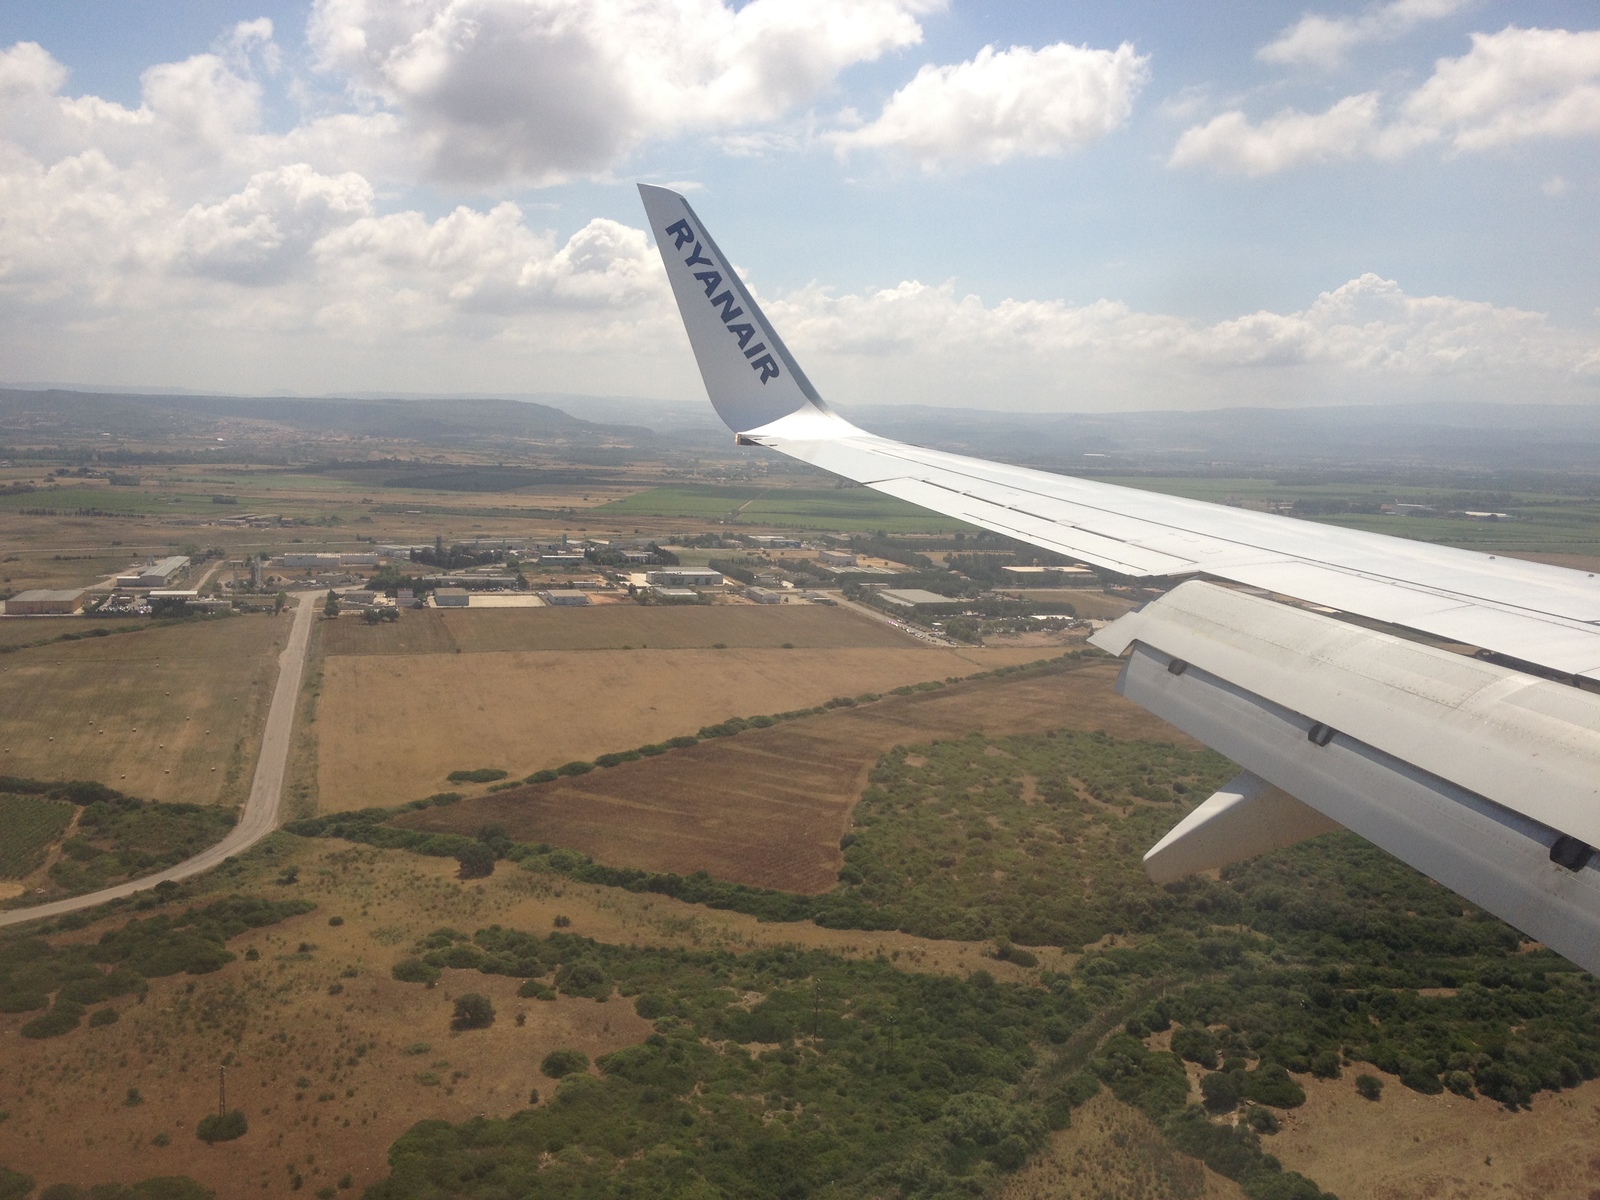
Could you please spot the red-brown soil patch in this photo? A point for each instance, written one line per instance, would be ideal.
(769, 806)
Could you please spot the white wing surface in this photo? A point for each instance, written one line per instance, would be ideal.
(1481, 738)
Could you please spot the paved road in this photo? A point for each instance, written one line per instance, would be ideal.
(260, 815)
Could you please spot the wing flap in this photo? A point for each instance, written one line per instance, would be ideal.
(1527, 744)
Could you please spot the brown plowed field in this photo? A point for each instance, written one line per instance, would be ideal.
(768, 807)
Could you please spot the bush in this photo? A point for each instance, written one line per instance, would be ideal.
(473, 1011)
(1369, 1087)
(576, 767)
(104, 1016)
(1222, 1090)
(63, 1018)
(481, 775)
(476, 859)
(558, 1064)
(1006, 952)
(14, 1185)
(1196, 1045)
(414, 970)
(1270, 1084)
(222, 1127)
(532, 989)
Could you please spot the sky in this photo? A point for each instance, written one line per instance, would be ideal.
(1064, 207)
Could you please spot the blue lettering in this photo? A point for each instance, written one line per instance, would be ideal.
(695, 259)
(768, 368)
(681, 231)
(711, 279)
(754, 350)
(729, 312)
(744, 333)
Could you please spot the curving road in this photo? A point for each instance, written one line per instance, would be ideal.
(260, 815)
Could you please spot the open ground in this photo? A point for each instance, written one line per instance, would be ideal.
(768, 807)
(391, 727)
(168, 713)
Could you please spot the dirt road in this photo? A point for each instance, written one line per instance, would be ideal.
(260, 814)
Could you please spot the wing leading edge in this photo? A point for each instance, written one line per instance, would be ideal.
(1530, 613)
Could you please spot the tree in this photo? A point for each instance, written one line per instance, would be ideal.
(473, 1011)
(279, 602)
(222, 1127)
(560, 1063)
(1370, 1087)
(477, 861)
(330, 606)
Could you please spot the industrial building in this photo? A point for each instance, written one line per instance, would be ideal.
(913, 598)
(680, 577)
(836, 558)
(565, 599)
(46, 602)
(309, 562)
(762, 595)
(451, 598)
(1047, 576)
(158, 574)
(672, 595)
(562, 560)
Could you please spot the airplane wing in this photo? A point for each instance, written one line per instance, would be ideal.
(1483, 772)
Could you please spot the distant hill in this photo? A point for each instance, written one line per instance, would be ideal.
(614, 430)
(1473, 437)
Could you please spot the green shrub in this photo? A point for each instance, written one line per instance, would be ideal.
(472, 1011)
(14, 1185)
(222, 1127)
(576, 767)
(63, 1017)
(476, 859)
(1369, 1087)
(541, 777)
(102, 1017)
(558, 1064)
(414, 970)
(480, 775)
(532, 989)
(1195, 1044)
(1270, 1084)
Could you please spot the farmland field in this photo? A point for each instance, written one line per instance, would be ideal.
(168, 713)
(851, 508)
(768, 807)
(613, 627)
(29, 825)
(392, 727)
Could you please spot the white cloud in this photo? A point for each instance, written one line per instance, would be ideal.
(542, 91)
(1515, 85)
(1315, 40)
(1367, 340)
(1512, 86)
(1005, 104)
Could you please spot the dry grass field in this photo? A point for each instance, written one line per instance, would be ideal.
(769, 806)
(1409, 1145)
(391, 727)
(171, 713)
(613, 627)
(69, 1121)
(1114, 1152)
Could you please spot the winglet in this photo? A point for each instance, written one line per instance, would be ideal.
(750, 375)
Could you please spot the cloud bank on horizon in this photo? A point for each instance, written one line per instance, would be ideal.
(393, 196)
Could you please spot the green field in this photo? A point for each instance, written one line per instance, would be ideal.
(852, 508)
(1547, 522)
(29, 825)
